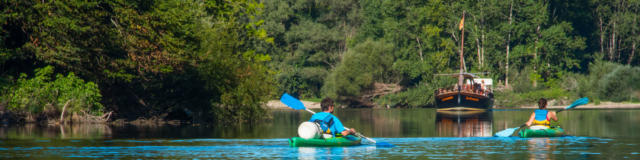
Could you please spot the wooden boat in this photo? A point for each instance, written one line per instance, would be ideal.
(469, 94)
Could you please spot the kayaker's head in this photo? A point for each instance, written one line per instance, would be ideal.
(327, 105)
(542, 103)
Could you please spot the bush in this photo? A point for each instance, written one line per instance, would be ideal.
(516, 99)
(413, 97)
(420, 96)
(525, 93)
(303, 83)
(32, 95)
(366, 63)
(619, 84)
(606, 81)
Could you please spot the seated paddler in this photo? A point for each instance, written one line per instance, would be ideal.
(330, 124)
(541, 118)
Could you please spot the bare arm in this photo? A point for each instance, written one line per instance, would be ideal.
(348, 132)
(533, 116)
(552, 116)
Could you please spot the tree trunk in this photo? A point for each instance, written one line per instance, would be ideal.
(420, 49)
(617, 51)
(613, 43)
(477, 32)
(633, 51)
(478, 46)
(633, 45)
(535, 54)
(506, 77)
(64, 109)
(601, 36)
(482, 46)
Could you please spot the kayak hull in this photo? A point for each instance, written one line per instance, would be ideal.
(549, 132)
(329, 142)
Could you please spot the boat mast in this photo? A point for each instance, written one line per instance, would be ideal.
(461, 77)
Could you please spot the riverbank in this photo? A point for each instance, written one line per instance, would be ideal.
(603, 105)
(276, 104)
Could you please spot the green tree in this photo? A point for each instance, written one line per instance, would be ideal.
(310, 38)
(147, 57)
(363, 65)
(35, 94)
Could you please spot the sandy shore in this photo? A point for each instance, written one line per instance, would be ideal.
(603, 105)
(276, 104)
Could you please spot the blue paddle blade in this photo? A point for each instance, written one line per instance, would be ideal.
(291, 102)
(506, 133)
(384, 144)
(581, 101)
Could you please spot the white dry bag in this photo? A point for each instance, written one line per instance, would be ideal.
(309, 130)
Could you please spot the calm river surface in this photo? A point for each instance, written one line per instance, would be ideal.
(416, 133)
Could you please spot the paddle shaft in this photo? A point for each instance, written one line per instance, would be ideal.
(357, 133)
(561, 110)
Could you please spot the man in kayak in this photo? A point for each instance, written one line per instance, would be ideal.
(541, 118)
(329, 123)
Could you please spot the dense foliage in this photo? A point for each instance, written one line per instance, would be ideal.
(190, 59)
(221, 61)
(531, 49)
(35, 94)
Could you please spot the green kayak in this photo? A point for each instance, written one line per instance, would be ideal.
(549, 132)
(330, 142)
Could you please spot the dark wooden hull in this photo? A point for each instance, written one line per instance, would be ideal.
(463, 101)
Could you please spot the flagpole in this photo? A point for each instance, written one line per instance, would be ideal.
(461, 77)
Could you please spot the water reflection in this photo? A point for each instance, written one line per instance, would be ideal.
(353, 152)
(464, 124)
(370, 122)
(72, 131)
(305, 153)
(541, 148)
(422, 132)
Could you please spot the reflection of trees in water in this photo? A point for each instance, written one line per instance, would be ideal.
(541, 148)
(601, 123)
(579, 122)
(363, 152)
(386, 123)
(389, 122)
(399, 122)
(464, 125)
(70, 131)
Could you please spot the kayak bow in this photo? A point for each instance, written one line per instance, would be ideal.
(549, 132)
(329, 142)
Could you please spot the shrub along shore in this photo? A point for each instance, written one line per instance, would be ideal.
(219, 62)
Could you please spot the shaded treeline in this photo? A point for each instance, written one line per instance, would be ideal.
(219, 61)
(190, 60)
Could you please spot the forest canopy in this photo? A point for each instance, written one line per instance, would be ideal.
(531, 49)
(220, 61)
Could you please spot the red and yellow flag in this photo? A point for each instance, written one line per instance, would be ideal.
(461, 23)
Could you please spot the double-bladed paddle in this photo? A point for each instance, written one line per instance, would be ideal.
(510, 131)
(298, 105)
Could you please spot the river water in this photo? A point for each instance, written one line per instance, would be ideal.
(416, 134)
